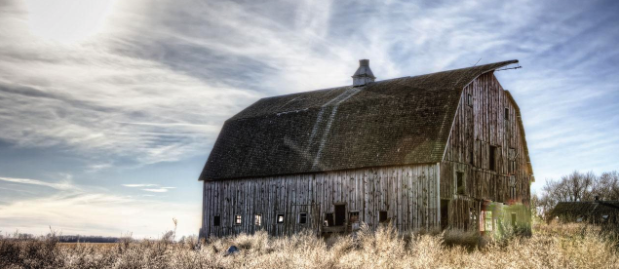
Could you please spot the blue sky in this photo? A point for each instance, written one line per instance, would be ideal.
(108, 110)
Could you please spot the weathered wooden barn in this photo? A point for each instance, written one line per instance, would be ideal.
(430, 151)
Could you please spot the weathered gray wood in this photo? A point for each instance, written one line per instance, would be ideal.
(478, 128)
(367, 191)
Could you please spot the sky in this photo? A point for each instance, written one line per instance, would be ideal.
(109, 108)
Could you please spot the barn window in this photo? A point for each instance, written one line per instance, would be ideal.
(258, 220)
(492, 159)
(237, 220)
(353, 217)
(459, 182)
(303, 218)
(506, 113)
(469, 100)
(513, 219)
(328, 219)
(280, 218)
(382, 216)
(216, 221)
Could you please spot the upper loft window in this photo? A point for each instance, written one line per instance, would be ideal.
(492, 159)
(469, 100)
(506, 113)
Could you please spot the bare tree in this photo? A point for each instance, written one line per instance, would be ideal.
(576, 187)
(607, 186)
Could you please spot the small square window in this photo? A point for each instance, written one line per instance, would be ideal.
(382, 216)
(303, 218)
(280, 218)
(258, 220)
(216, 221)
(237, 220)
(353, 217)
(328, 219)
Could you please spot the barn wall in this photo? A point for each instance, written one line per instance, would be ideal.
(409, 194)
(475, 129)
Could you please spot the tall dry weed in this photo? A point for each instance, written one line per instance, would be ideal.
(553, 246)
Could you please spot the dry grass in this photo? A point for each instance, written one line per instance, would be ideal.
(554, 246)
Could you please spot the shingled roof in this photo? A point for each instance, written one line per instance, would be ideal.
(392, 122)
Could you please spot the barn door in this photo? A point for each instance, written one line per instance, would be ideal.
(444, 214)
(340, 215)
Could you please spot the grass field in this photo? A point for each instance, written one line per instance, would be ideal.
(550, 246)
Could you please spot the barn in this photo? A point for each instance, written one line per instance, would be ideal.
(441, 150)
(594, 212)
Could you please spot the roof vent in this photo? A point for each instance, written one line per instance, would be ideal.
(363, 75)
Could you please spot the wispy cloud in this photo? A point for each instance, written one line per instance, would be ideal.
(66, 185)
(139, 185)
(158, 189)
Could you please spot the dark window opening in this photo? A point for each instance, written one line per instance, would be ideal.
(492, 159)
(353, 217)
(328, 219)
(506, 113)
(216, 221)
(303, 218)
(469, 100)
(280, 218)
(513, 219)
(340, 215)
(459, 182)
(237, 220)
(444, 214)
(258, 220)
(382, 216)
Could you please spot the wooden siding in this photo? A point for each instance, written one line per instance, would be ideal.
(474, 130)
(408, 193)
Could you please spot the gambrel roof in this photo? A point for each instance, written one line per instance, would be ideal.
(392, 122)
